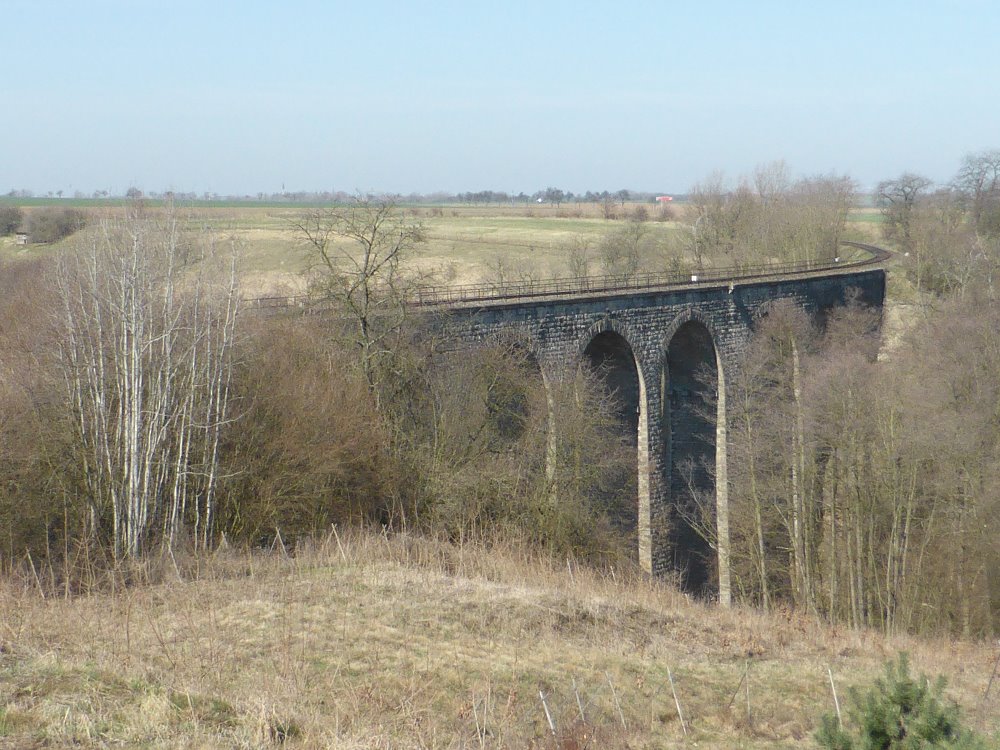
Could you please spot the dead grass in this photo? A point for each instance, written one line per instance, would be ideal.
(364, 640)
(464, 243)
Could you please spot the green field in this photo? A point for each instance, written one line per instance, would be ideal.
(461, 247)
(866, 216)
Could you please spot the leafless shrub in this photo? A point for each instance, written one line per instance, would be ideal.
(310, 450)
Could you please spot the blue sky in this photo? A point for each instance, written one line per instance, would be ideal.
(241, 97)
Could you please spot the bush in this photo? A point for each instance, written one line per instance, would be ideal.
(665, 213)
(10, 219)
(38, 504)
(53, 224)
(480, 450)
(899, 713)
(308, 450)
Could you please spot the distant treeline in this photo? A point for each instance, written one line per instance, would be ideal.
(320, 197)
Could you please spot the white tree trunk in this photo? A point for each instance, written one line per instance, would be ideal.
(146, 363)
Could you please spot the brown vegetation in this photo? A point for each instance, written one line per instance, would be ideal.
(865, 487)
(10, 219)
(768, 217)
(370, 640)
(143, 419)
(50, 224)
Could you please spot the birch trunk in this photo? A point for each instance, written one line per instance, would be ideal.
(146, 366)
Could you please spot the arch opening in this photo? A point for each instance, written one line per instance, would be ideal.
(624, 492)
(694, 420)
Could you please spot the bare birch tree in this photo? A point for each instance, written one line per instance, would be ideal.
(145, 356)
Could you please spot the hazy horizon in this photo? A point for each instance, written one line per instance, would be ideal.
(238, 99)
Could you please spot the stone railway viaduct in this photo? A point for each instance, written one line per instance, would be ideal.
(653, 339)
(654, 343)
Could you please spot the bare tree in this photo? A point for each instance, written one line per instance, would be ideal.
(819, 208)
(145, 356)
(10, 219)
(945, 250)
(978, 183)
(554, 195)
(621, 250)
(358, 251)
(723, 215)
(771, 181)
(869, 490)
(499, 273)
(898, 199)
(769, 218)
(579, 256)
(608, 206)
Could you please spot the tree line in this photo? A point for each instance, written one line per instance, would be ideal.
(484, 197)
(863, 467)
(41, 225)
(145, 412)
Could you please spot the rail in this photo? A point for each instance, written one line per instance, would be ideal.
(507, 291)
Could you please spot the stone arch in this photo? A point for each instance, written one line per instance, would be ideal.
(610, 348)
(688, 315)
(693, 423)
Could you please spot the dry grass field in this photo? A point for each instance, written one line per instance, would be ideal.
(369, 641)
(465, 244)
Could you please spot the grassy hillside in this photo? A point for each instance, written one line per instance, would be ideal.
(368, 641)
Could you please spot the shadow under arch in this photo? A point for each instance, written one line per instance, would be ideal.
(693, 423)
(607, 352)
(516, 386)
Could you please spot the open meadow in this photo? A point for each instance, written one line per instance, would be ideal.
(369, 641)
(465, 244)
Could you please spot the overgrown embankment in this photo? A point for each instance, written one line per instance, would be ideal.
(367, 640)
